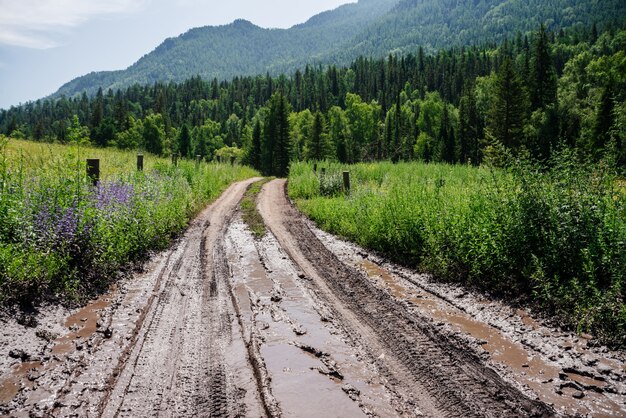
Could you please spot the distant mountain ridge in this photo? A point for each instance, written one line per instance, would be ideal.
(369, 27)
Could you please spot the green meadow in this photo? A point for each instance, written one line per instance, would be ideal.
(549, 238)
(60, 236)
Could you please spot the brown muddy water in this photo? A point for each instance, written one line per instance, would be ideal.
(527, 368)
(313, 370)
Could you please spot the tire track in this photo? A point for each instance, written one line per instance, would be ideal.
(415, 353)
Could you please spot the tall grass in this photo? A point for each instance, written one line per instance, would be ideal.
(61, 236)
(553, 237)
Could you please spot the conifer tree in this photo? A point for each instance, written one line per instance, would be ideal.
(542, 73)
(184, 142)
(255, 151)
(469, 127)
(317, 144)
(509, 108)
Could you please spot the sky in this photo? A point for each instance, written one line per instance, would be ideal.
(46, 43)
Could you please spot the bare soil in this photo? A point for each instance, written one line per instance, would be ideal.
(296, 323)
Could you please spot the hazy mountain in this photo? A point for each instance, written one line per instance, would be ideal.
(369, 27)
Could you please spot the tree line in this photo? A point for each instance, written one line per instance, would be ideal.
(529, 94)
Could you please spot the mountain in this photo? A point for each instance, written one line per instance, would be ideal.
(240, 48)
(369, 27)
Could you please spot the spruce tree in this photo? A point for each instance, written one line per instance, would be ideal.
(255, 151)
(317, 144)
(543, 78)
(509, 108)
(469, 127)
(184, 142)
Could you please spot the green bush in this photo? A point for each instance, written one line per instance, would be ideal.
(553, 237)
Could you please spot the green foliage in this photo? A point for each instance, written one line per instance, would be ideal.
(61, 236)
(366, 28)
(550, 237)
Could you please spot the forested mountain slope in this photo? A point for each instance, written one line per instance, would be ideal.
(369, 27)
(240, 48)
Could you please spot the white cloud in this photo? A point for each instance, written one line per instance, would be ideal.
(31, 23)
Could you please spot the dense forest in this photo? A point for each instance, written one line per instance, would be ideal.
(529, 94)
(372, 28)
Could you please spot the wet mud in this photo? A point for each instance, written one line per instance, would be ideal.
(296, 323)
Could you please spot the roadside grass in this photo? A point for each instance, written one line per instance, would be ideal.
(61, 237)
(552, 238)
(249, 211)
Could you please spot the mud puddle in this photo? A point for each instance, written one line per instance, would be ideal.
(82, 326)
(313, 370)
(570, 393)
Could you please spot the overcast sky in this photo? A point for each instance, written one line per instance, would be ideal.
(45, 43)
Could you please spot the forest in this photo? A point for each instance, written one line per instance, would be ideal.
(527, 96)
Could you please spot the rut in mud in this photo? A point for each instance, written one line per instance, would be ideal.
(292, 324)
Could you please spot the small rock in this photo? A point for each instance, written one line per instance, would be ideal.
(578, 395)
(28, 321)
(108, 333)
(45, 335)
(604, 368)
(352, 392)
(20, 354)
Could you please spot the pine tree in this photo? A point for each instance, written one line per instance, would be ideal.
(317, 144)
(184, 142)
(255, 151)
(276, 145)
(509, 108)
(282, 144)
(469, 129)
(543, 78)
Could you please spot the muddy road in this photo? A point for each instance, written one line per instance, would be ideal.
(295, 324)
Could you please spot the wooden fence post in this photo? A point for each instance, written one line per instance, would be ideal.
(175, 159)
(323, 171)
(139, 162)
(346, 181)
(198, 157)
(232, 161)
(315, 167)
(93, 170)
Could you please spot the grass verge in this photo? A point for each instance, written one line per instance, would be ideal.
(554, 238)
(249, 212)
(62, 237)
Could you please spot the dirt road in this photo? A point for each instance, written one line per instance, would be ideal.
(296, 323)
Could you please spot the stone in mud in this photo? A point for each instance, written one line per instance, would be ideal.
(19, 354)
(46, 335)
(28, 320)
(604, 369)
(578, 394)
(352, 392)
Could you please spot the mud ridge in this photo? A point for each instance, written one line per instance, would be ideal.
(457, 380)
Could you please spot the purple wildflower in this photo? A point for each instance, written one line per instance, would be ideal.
(114, 194)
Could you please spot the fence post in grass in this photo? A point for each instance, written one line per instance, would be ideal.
(315, 167)
(198, 157)
(346, 181)
(175, 159)
(93, 170)
(139, 162)
(232, 161)
(323, 171)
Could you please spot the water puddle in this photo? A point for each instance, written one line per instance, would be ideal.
(83, 324)
(330, 383)
(528, 369)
